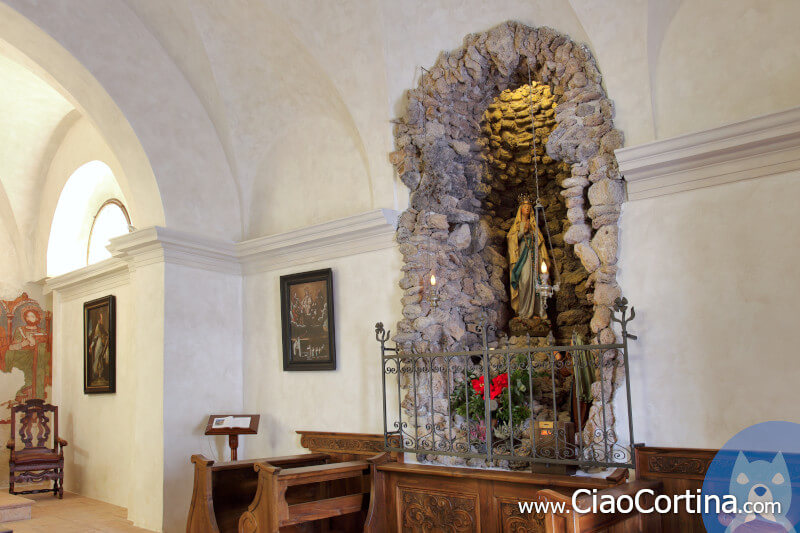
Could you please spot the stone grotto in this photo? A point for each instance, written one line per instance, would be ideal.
(465, 149)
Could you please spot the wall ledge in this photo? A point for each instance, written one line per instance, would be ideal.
(753, 148)
(366, 232)
(158, 244)
(97, 277)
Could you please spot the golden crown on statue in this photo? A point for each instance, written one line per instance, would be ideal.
(525, 198)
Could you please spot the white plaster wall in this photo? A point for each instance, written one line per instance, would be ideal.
(146, 428)
(347, 399)
(725, 62)
(97, 461)
(202, 373)
(619, 35)
(115, 451)
(10, 264)
(713, 276)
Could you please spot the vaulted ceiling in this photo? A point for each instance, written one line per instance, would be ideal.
(32, 115)
(299, 93)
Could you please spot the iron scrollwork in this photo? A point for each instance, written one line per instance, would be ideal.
(436, 404)
(621, 306)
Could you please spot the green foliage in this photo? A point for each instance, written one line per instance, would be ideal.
(512, 400)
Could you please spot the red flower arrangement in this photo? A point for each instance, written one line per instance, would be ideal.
(507, 392)
(496, 387)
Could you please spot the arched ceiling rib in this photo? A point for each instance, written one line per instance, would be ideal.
(172, 24)
(277, 96)
(261, 78)
(32, 113)
(141, 103)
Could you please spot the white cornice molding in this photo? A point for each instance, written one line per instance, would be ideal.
(157, 244)
(352, 235)
(104, 275)
(367, 232)
(753, 148)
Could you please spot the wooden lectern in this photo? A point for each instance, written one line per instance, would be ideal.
(233, 426)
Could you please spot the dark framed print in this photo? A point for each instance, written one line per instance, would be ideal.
(309, 342)
(99, 346)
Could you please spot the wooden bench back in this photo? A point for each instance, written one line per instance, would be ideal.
(223, 491)
(679, 470)
(310, 485)
(274, 509)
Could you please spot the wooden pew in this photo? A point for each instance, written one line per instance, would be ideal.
(223, 491)
(679, 470)
(273, 510)
(573, 521)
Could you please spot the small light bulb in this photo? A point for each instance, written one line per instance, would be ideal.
(544, 268)
(433, 279)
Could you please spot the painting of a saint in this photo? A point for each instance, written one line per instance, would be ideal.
(25, 346)
(307, 315)
(99, 345)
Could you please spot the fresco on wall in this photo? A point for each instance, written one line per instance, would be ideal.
(25, 347)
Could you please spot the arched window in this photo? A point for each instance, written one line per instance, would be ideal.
(111, 220)
(90, 211)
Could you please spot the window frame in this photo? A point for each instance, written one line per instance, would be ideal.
(110, 201)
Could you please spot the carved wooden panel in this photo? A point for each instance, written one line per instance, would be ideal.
(426, 498)
(422, 511)
(677, 465)
(341, 444)
(344, 443)
(512, 521)
(682, 462)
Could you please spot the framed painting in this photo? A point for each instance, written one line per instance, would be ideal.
(99, 346)
(307, 321)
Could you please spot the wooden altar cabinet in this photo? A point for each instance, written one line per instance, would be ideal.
(421, 498)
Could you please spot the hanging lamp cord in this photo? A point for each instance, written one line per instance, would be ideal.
(538, 206)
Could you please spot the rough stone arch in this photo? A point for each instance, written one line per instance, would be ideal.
(438, 157)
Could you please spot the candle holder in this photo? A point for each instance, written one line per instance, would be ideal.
(544, 290)
(433, 293)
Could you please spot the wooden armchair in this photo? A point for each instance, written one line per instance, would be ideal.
(34, 463)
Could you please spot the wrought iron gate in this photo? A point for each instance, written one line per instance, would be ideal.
(493, 404)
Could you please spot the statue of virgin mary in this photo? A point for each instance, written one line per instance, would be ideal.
(521, 239)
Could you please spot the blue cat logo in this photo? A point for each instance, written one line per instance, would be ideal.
(761, 482)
